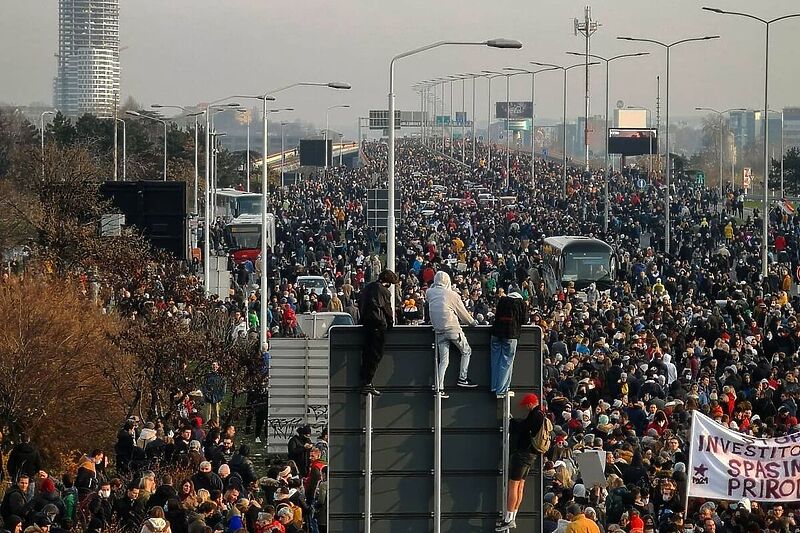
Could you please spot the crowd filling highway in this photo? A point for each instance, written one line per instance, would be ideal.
(698, 329)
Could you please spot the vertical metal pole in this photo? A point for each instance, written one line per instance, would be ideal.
(473, 120)
(721, 129)
(125, 152)
(783, 156)
(533, 129)
(207, 212)
(283, 150)
(435, 117)
(451, 118)
(443, 124)
(607, 200)
(326, 144)
(390, 220)
(368, 467)
(196, 176)
(669, 174)
(437, 447)
(765, 214)
(564, 169)
(506, 446)
(489, 125)
(248, 152)
(264, 285)
(508, 130)
(588, 29)
(116, 158)
(165, 150)
(464, 117)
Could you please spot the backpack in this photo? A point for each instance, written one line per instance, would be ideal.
(542, 440)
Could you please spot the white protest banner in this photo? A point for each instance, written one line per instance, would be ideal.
(592, 465)
(727, 465)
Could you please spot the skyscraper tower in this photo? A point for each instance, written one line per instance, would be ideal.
(88, 57)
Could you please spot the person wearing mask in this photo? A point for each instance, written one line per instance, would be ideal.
(446, 311)
(377, 316)
(206, 479)
(506, 330)
(522, 457)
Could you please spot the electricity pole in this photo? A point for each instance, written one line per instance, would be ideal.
(587, 29)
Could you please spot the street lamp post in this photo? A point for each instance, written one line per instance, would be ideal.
(391, 244)
(196, 149)
(720, 115)
(533, 74)
(668, 48)
(124, 149)
(608, 61)
(264, 284)
(767, 24)
(489, 77)
(327, 111)
(154, 119)
(564, 132)
(41, 122)
(391, 233)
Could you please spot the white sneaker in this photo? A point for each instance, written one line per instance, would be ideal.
(258, 440)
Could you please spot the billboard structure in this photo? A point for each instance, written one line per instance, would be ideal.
(379, 119)
(378, 208)
(632, 141)
(516, 110)
(312, 152)
(445, 462)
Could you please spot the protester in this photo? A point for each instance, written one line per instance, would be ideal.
(377, 317)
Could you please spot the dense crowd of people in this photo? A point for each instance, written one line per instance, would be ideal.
(696, 329)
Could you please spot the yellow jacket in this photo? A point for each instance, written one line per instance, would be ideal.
(581, 524)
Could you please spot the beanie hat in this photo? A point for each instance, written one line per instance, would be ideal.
(529, 399)
(579, 490)
(47, 485)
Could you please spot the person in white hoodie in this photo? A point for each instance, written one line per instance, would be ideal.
(447, 311)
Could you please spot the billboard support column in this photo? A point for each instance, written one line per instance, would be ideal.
(368, 466)
(506, 448)
(437, 449)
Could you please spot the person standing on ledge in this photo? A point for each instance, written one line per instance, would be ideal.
(505, 333)
(447, 311)
(525, 438)
(377, 316)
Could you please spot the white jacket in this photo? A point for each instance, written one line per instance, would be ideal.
(445, 306)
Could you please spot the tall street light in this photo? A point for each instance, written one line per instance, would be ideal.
(41, 122)
(720, 115)
(533, 74)
(489, 77)
(264, 285)
(190, 115)
(391, 233)
(767, 24)
(564, 132)
(668, 48)
(154, 119)
(124, 149)
(608, 60)
(327, 112)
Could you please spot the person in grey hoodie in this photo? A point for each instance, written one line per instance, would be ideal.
(447, 311)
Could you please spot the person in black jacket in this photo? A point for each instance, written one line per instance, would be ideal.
(243, 466)
(24, 459)
(522, 456)
(16, 499)
(129, 510)
(299, 449)
(505, 333)
(377, 316)
(163, 493)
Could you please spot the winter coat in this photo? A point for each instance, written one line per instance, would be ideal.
(445, 308)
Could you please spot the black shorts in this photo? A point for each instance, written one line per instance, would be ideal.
(519, 465)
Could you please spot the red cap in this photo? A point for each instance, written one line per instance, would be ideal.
(529, 399)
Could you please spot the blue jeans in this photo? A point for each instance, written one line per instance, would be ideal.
(503, 351)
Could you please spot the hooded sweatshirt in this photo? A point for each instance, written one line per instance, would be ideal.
(445, 306)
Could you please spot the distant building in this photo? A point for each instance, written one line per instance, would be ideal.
(791, 127)
(87, 80)
(743, 126)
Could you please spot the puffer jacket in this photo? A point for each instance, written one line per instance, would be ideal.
(445, 308)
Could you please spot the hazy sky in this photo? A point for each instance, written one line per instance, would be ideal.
(189, 51)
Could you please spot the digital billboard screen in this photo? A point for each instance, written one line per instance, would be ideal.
(632, 141)
(312, 152)
(516, 110)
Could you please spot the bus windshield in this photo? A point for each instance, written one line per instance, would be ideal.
(589, 266)
(241, 236)
(249, 205)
